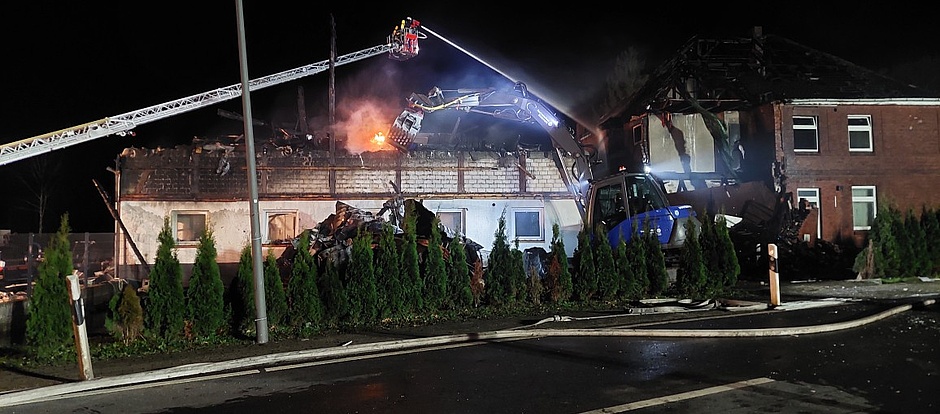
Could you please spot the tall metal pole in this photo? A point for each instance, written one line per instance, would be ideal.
(261, 324)
(332, 90)
(332, 93)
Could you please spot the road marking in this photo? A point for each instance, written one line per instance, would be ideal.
(159, 383)
(679, 397)
(371, 356)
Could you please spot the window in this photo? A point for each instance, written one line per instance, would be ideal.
(812, 196)
(453, 220)
(863, 207)
(642, 196)
(860, 133)
(637, 134)
(609, 206)
(190, 225)
(527, 224)
(281, 226)
(805, 136)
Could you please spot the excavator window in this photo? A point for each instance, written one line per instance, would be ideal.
(609, 205)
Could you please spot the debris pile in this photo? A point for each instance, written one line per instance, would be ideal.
(331, 240)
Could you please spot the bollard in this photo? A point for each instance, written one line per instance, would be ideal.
(79, 329)
(774, 277)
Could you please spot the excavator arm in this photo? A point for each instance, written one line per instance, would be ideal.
(515, 105)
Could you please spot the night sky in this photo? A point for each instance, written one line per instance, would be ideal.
(67, 63)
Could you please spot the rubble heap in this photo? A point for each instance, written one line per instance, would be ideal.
(332, 239)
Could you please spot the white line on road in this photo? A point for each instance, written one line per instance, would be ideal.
(150, 385)
(361, 357)
(679, 397)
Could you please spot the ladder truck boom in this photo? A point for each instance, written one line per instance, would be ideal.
(402, 44)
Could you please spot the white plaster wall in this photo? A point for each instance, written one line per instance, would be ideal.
(698, 143)
(482, 219)
(231, 221)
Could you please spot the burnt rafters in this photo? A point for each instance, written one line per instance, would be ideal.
(737, 74)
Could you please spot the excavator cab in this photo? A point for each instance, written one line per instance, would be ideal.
(404, 40)
(405, 129)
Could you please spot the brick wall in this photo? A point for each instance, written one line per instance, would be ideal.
(904, 165)
(544, 174)
(291, 181)
(193, 173)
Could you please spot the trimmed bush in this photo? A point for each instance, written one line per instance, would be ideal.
(242, 293)
(274, 296)
(49, 315)
(460, 294)
(435, 271)
(608, 282)
(336, 300)
(498, 280)
(516, 275)
(655, 264)
(388, 275)
(128, 320)
(691, 276)
(559, 275)
(205, 296)
(363, 297)
(629, 286)
(305, 309)
(165, 304)
(636, 251)
(412, 284)
(585, 282)
(728, 267)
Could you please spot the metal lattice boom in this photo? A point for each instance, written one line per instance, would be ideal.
(123, 123)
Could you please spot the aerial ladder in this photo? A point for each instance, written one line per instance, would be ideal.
(402, 44)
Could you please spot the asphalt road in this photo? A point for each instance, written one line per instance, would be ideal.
(835, 356)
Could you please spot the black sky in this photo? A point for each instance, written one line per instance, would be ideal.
(67, 63)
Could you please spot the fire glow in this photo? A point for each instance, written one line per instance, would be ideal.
(379, 138)
(361, 122)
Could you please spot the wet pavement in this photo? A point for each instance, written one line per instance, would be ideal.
(803, 307)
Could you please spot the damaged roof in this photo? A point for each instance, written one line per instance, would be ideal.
(739, 73)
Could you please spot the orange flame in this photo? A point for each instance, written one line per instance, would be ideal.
(364, 118)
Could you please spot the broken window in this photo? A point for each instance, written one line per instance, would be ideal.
(637, 134)
(863, 207)
(811, 195)
(281, 226)
(527, 224)
(190, 225)
(453, 220)
(805, 134)
(860, 133)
